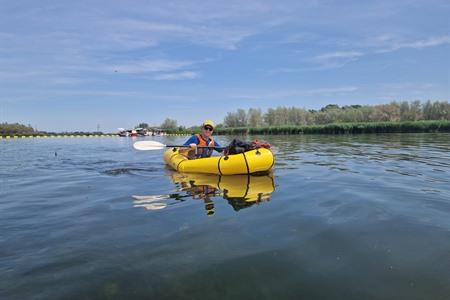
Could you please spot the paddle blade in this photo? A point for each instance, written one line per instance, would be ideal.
(148, 145)
(152, 206)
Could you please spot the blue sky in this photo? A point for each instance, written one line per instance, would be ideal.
(70, 65)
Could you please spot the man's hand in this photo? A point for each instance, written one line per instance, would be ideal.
(193, 145)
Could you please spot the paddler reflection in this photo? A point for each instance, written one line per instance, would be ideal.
(241, 191)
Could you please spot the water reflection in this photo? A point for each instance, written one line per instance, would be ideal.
(241, 191)
(423, 156)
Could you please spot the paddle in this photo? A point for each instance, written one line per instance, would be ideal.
(153, 145)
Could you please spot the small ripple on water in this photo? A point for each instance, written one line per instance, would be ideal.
(123, 171)
(431, 191)
(104, 161)
(404, 172)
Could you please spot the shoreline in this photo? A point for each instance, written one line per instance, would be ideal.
(333, 128)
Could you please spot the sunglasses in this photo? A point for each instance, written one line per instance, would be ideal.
(208, 128)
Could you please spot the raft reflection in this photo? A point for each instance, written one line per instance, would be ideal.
(241, 191)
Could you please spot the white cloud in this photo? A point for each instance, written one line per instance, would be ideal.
(284, 70)
(338, 55)
(334, 60)
(417, 44)
(198, 11)
(332, 91)
(286, 94)
(381, 44)
(152, 33)
(148, 66)
(18, 75)
(149, 26)
(6, 36)
(177, 76)
(409, 91)
(85, 72)
(389, 43)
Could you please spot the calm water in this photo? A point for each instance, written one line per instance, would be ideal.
(341, 217)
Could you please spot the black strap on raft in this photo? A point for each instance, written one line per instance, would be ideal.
(218, 164)
(246, 163)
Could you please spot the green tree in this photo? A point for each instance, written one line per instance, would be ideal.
(427, 110)
(436, 110)
(269, 117)
(236, 119)
(142, 125)
(387, 112)
(330, 106)
(255, 118)
(241, 117)
(170, 124)
(231, 120)
(415, 111)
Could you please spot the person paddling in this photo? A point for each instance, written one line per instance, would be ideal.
(204, 139)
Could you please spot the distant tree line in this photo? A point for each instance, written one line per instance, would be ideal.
(168, 125)
(12, 129)
(16, 129)
(344, 128)
(394, 111)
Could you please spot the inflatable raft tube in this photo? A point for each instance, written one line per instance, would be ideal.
(254, 161)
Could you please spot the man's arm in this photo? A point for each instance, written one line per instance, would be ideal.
(217, 147)
(191, 140)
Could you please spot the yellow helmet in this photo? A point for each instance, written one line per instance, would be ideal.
(209, 122)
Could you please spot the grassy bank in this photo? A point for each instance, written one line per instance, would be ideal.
(344, 128)
(44, 135)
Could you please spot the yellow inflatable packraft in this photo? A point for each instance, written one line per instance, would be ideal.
(247, 188)
(254, 161)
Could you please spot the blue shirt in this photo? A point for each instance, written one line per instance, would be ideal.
(194, 140)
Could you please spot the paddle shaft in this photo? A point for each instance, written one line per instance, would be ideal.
(183, 146)
(153, 145)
